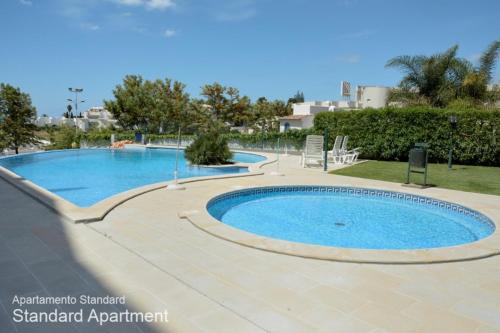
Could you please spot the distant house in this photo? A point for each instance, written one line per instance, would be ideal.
(95, 117)
(303, 113)
(296, 122)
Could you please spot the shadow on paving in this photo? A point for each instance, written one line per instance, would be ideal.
(36, 259)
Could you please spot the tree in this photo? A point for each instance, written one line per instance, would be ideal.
(215, 98)
(226, 104)
(297, 98)
(16, 116)
(65, 137)
(148, 105)
(266, 113)
(441, 78)
(488, 60)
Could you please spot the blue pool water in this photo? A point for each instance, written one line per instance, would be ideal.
(86, 176)
(350, 217)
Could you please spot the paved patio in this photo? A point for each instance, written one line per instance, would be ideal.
(144, 251)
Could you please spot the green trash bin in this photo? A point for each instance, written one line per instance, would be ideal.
(417, 161)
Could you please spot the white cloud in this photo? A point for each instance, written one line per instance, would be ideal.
(90, 26)
(149, 4)
(169, 33)
(130, 2)
(25, 2)
(160, 4)
(235, 10)
(357, 34)
(350, 58)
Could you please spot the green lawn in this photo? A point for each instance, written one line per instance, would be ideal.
(461, 177)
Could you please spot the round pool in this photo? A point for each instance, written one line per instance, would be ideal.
(350, 217)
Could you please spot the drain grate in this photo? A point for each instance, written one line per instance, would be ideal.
(340, 224)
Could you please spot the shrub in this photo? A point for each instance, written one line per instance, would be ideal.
(209, 148)
(64, 138)
(388, 134)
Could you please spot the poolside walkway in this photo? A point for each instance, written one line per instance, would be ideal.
(159, 261)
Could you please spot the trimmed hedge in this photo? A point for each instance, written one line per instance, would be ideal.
(389, 134)
(293, 138)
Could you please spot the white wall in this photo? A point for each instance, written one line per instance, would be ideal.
(309, 108)
(372, 96)
(306, 122)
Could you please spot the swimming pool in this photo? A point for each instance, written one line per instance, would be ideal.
(87, 176)
(350, 217)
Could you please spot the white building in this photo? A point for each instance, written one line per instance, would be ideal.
(95, 117)
(296, 122)
(371, 96)
(45, 121)
(303, 113)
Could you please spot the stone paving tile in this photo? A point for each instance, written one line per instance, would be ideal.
(57, 277)
(288, 277)
(336, 298)
(5, 252)
(434, 293)
(388, 319)
(437, 320)
(223, 321)
(487, 329)
(491, 286)
(385, 297)
(487, 313)
(30, 249)
(12, 267)
(331, 320)
(276, 292)
(268, 291)
(18, 285)
(271, 319)
(6, 324)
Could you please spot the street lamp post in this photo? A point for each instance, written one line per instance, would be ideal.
(75, 101)
(453, 123)
(76, 91)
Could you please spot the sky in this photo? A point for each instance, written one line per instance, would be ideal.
(270, 48)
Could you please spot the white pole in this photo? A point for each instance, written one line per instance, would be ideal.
(175, 185)
(277, 171)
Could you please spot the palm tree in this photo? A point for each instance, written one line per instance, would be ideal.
(443, 77)
(476, 80)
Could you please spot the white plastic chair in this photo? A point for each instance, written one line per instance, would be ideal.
(349, 156)
(313, 152)
(336, 155)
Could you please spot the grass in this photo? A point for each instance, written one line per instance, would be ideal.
(461, 177)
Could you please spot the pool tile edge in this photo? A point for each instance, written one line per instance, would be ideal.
(483, 248)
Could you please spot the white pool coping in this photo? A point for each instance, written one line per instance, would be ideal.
(483, 248)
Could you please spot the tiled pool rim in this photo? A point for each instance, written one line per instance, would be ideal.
(98, 211)
(482, 248)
